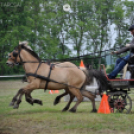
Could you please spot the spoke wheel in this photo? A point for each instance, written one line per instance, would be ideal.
(120, 102)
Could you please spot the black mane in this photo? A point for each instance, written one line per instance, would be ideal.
(30, 51)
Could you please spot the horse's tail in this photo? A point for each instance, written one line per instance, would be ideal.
(102, 81)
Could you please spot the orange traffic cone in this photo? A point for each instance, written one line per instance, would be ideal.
(82, 64)
(56, 91)
(51, 92)
(104, 105)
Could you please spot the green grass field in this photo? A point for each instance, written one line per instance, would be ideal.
(48, 119)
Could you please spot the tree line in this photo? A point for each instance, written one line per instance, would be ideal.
(89, 26)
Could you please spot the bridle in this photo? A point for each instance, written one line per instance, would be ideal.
(16, 54)
(47, 79)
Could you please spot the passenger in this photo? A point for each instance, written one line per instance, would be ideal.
(121, 62)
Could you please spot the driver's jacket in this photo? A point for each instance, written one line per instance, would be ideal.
(127, 48)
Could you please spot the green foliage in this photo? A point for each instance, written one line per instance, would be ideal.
(110, 68)
(51, 31)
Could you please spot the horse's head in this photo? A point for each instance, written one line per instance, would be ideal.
(14, 57)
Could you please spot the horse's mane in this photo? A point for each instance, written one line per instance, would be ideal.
(30, 51)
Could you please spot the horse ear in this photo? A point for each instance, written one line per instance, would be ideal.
(20, 46)
(23, 43)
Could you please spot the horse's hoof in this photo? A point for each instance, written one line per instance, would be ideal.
(56, 101)
(30, 102)
(16, 106)
(64, 109)
(11, 104)
(94, 111)
(72, 110)
(41, 103)
(38, 102)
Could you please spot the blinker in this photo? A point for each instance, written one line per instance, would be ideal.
(15, 54)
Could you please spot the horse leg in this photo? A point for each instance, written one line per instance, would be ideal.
(77, 93)
(16, 105)
(70, 101)
(60, 96)
(91, 97)
(26, 90)
(30, 100)
(84, 93)
(15, 98)
(57, 99)
(37, 101)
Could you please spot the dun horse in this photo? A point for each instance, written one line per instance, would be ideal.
(40, 75)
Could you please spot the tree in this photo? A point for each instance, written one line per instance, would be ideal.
(55, 34)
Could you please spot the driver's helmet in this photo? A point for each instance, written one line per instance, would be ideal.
(131, 28)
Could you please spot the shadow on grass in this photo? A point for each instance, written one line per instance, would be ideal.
(51, 111)
(132, 112)
(24, 112)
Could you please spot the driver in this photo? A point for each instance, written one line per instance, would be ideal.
(121, 62)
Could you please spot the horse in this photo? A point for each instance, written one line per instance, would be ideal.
(40, 75)
(98, 75)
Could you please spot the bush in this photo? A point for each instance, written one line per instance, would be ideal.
(110, 68)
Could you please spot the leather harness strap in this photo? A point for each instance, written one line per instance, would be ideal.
(51, 67)
(47, 79)
(38, 76)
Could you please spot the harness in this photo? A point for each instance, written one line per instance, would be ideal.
(47, 79)
(51, 66)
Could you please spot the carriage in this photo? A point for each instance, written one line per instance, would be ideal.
(69, 77)
(118, 99)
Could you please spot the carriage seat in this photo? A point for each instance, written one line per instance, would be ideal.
(128, 68)
(131, 63)
(127, 71)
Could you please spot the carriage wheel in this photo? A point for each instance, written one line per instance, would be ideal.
(120, 102)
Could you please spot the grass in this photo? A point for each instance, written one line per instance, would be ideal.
(48, 119)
